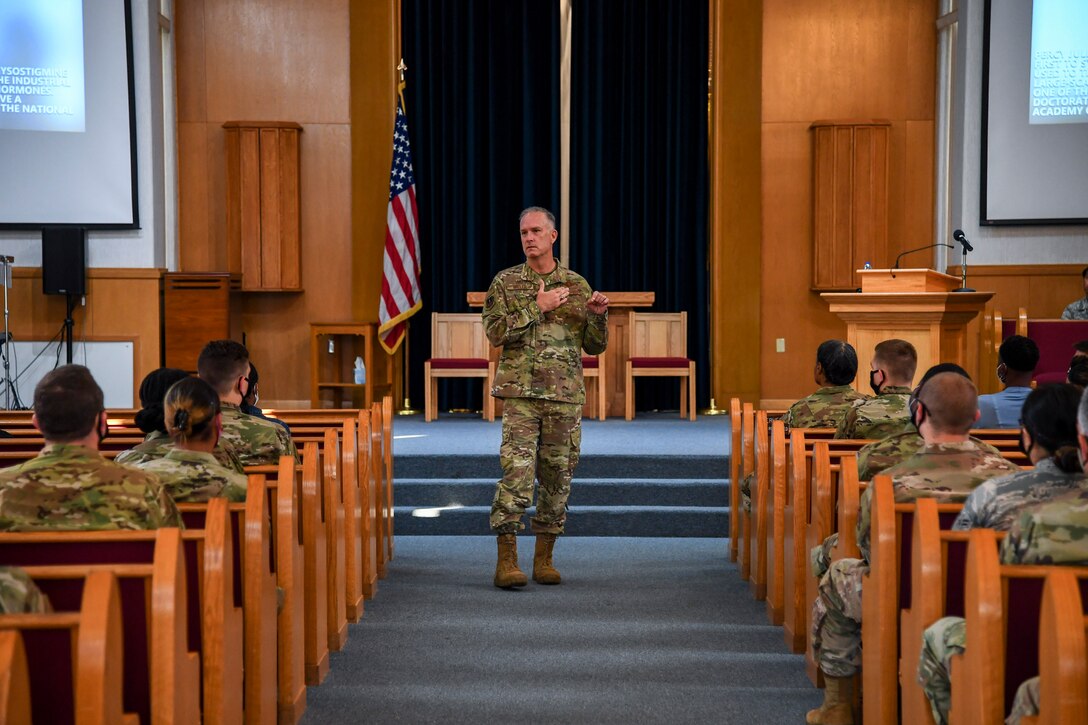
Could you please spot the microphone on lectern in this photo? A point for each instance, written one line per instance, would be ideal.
(959, 237)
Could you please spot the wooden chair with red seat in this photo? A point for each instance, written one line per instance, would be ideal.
(459, 349)
(594, 367)
(657, 346)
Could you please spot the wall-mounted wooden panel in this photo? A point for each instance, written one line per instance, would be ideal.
(196, 309)
(850, 200)
(262, 206)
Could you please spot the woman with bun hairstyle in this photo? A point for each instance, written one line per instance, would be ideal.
(188, 471)
(151, 420)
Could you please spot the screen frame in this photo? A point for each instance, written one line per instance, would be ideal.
(133, 160)
(983, 220)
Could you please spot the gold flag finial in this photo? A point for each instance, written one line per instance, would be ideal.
(401, 67)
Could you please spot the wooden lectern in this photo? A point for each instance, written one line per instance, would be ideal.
(916, 305)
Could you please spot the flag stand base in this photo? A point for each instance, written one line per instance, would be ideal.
(408, 409)
(712, 410)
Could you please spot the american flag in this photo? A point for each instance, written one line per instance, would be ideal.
(400, 282)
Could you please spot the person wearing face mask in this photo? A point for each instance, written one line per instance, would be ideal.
(194, 422)
(947, 468)
(224, 365)
(1016, 361)
(836, 368)
(1051, 440)
(249, 403)
(891, 375)
(69, 485)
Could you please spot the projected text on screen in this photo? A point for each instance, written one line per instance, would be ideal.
(41, 66)
(1059, 61)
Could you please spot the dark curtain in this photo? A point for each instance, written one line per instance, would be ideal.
(639, 176)
(483, 116)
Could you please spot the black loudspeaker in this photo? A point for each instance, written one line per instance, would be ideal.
(64, 260)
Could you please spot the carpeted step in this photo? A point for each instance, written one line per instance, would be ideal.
(589, 466)
(586, 492)
(665, 521)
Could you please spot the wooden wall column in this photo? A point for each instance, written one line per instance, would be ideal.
(736, 227)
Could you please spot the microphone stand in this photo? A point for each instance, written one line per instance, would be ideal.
(963, 270)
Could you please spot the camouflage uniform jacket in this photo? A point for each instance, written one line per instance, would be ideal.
(945, 471)
(878, 417)
(74, 488)
(1055, 532)
(823, 409)
(192, 476)
(878, 456)
(257, 441)
(157, 444)
(996, 503)
(541, 351)
(1076, 310)
(19, 594)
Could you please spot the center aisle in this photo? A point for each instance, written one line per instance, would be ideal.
(641, 630)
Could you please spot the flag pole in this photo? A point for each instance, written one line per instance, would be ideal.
(406, 408)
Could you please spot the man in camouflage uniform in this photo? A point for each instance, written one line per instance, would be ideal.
(947, 468)
(1078, 310)
(878, 456)
(1057, 478)
(836, 368)
(19, 594)
(224, 364)
(891, 376)
(543, 316)
(69, 485)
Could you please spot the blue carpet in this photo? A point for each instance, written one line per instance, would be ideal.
(642, 630)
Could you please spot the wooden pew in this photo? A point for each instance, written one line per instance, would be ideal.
(383, 489)
(938, 570)
(71, 662)
(775, 511)
(1063, 652)
(757, 525)
(355, 533)
(15, 680)
(316, 539)
(797, 517)
(336, 577)
(161, 673)
(735, 457)
(747, 462)
(887, 589)
(387, 459)
(1002, 607)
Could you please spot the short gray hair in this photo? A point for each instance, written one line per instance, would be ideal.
(541, 210)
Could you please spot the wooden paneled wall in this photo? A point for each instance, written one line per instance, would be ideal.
(288, 60)
(122, 304)
(825, 59)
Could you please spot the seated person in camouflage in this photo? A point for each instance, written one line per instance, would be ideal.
(1052, 441)
(253, 396)
(891, 377)
(69, 485)
(1017, 358)
(19, 594)
(1078, 309)
(189, 471)
(224, 364)
(878, 456)
(150, 420)
(947, 468)
(836, 368)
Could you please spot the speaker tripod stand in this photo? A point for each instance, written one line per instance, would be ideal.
(69, 326)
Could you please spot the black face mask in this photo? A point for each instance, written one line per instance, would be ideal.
(1020, 445)
(915, 419)
(872, 381)
(102, 436)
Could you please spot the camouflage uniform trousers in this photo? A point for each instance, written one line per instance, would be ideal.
(540, 439)
(943, 639)
(836, 619)
(19, 594)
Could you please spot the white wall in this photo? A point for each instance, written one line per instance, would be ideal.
(142, 247)
(1050, 244)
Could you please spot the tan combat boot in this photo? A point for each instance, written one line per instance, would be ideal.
(838, 707)
(543, 571)
(507, 573)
